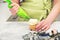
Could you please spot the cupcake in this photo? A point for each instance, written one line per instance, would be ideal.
(32, 24)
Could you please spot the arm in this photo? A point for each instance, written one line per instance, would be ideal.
(54, 13)
(45, 24)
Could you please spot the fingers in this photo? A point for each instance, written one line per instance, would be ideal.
(39, 25)
(14, 4)
(43, 26)
(14, 9)
(46, 27)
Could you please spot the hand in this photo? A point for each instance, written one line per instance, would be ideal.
(14, 8)
(44, 25)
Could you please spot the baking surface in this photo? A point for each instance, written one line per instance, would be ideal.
(15, 30)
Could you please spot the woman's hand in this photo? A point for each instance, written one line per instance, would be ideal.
(43, 25)
(14, 8)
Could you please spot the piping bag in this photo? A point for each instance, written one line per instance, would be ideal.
(20, 13)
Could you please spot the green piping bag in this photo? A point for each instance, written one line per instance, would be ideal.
(20, 12)
(9, 3)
